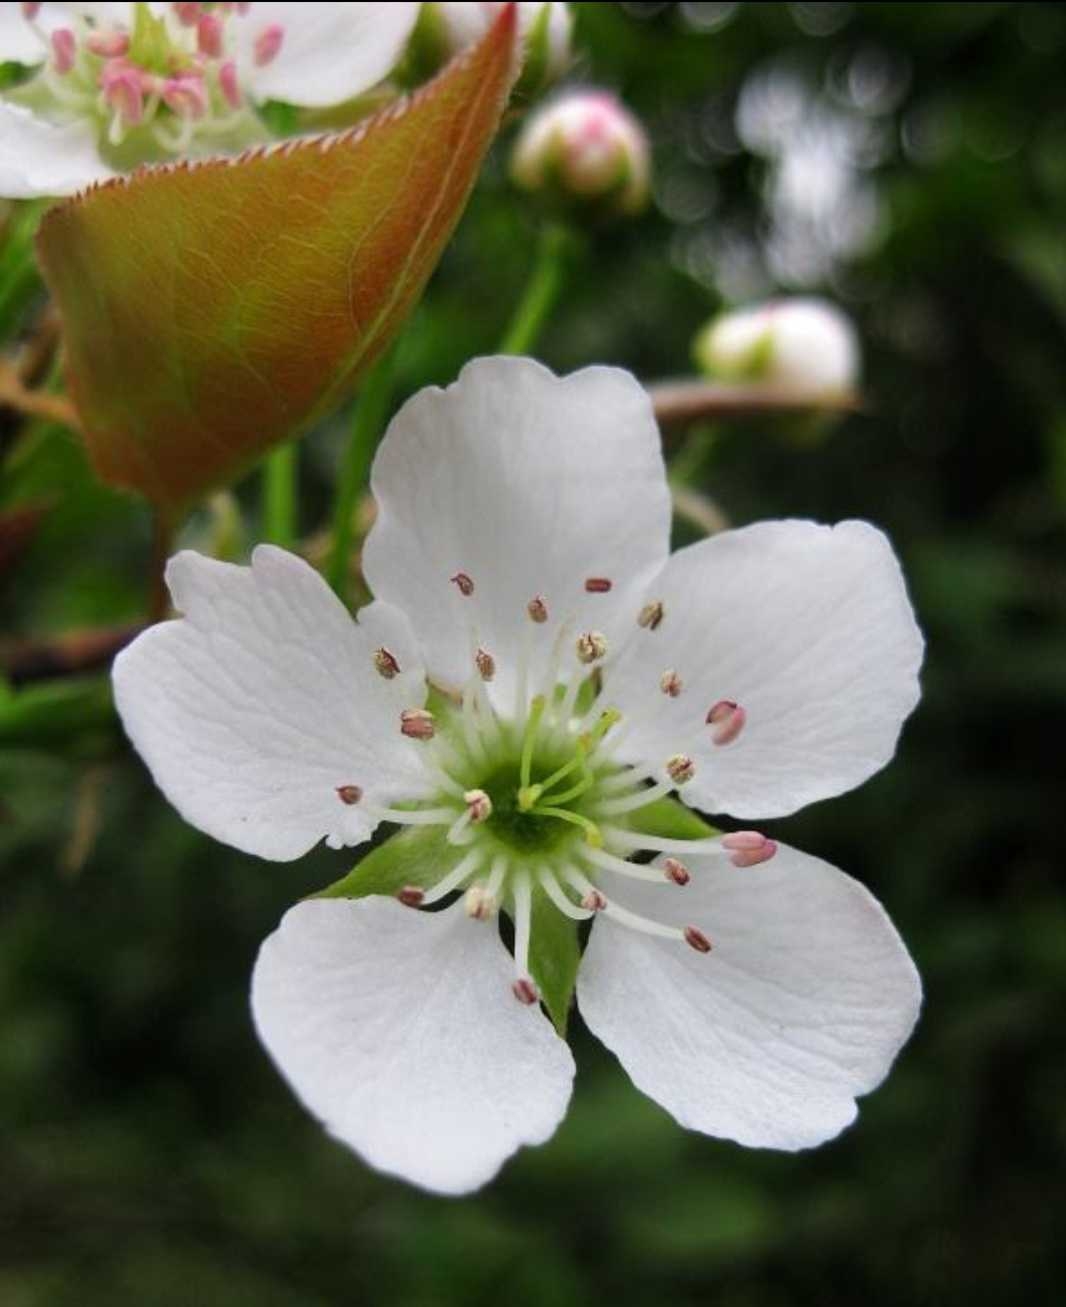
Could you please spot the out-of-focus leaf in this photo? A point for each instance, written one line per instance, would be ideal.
(214, 310)
(73, 717)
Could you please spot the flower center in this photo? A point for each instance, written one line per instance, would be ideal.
(165, 86)
(535, 801)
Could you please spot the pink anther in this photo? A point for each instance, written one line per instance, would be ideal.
(748, 848)
(268, 43)
(727, 718)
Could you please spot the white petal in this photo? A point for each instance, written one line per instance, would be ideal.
(329, 52)
(802, 1004)
(399, 1031)
(18, 41)
(530, 484)
(808, 628)
(39, 158)
(252, 710)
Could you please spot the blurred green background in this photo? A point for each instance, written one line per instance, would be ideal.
(908, 160)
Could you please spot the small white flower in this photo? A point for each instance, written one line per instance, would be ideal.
(122, 84)
(802, 343)
(752, 991)
(584, 146)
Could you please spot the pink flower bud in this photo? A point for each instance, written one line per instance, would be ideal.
(64, 49)
(585, 147)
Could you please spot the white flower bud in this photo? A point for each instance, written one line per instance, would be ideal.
(587, 147)
(803, 344)
(544, 29)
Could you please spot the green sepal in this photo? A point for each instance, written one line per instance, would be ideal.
(670, 819)
(419, 855)
(554, 956)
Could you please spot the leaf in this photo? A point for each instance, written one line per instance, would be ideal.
(670, 819)
(213, 310)
(554, 957)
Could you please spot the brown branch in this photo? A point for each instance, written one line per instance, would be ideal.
(64, 655)
(35, 403)
(679, 402)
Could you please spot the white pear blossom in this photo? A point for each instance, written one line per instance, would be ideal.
(520, 563)
(117, 85)
(802, 343)
(585, 146)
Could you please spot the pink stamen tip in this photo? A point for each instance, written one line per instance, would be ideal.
(188, 14)
(728, 719)
(268, 43)
(598, 585)
(209, 35)
(411, 896)
(64, 49)
(30, 11)
(123, 91)
(350, 794)
(594, 901)
(186, 96)
(385, 663)
(486, 664)
(464, 584)
(108, 45)
(229, 84)
(525, 991)
(697, 939)
(676, 871)
(417, 724)
(537, 610)
(748, 848)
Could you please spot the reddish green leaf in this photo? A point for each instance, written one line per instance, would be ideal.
(214, 310)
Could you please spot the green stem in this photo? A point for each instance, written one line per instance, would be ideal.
(279, 496)
(542, 291)
(370, 410)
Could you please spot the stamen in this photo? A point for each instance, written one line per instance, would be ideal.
(479, 806)
(497, 873)
(670, 683)
(122, 91)
(185, 96)
(594, 900)
(651, 615)
(411, 896)
(728, 720)
(412, 816)
(598, 585)
(630, 841)
(418, 724)
(385, 663)
(479, 904)
(591, 647)
(631, 802)
(676, 871)
(64, 50)
(561, 900)
(680, 768)
(229, 84)
(349, 794)
(209, 35)
(748, 848)
(453, 880)
(464, 584)
(631, 870)
(537, 610)
(108, 45)
(485, 663)
(697, 939)
(30, 11)
(475, 746)
(645, 925)
(268, 43)
(524, 989)
(188, 14)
